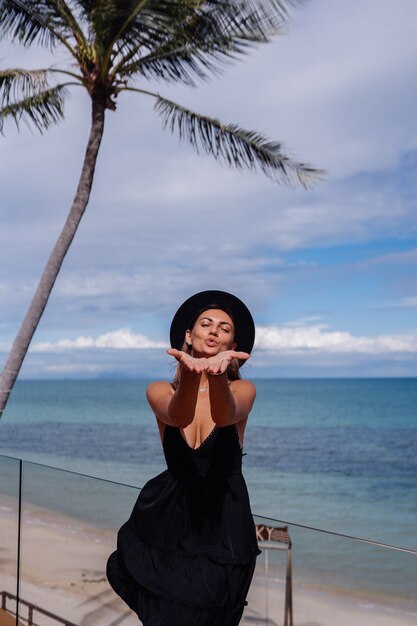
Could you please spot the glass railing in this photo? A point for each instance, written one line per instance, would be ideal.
(62, 525)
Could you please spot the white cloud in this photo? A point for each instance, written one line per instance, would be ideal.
(296, 338)
(123, 339)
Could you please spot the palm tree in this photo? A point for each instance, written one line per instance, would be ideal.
(115, 46)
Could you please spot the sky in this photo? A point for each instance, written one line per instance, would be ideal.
(328, 273)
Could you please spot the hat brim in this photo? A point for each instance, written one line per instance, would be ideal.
(199, 302)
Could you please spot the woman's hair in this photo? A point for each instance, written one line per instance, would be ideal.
(233, 371)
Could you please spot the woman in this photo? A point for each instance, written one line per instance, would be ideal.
(187, 554)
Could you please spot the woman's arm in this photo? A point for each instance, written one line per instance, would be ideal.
(177, 408)
(230, 403)
(181, 409)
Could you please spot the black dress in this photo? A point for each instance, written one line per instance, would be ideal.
(187, 554)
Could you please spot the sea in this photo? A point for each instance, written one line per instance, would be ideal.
(334, 455)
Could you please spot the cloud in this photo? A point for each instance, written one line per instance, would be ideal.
(298, 337)
(294, 337)
(123, 339)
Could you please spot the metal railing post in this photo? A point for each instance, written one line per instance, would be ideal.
(19, 540)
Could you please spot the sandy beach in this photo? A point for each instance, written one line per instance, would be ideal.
(62, 571)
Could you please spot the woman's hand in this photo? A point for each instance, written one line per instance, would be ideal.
(216, 364)
(219, 363)
(188, 362)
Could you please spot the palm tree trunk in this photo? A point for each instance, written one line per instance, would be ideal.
(40, 299)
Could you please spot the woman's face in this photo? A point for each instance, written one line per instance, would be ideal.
(212, 333)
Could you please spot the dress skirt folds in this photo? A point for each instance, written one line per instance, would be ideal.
(186, 555)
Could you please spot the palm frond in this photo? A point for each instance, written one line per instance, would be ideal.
(157, 22)
(202, 39)
(64, 13)
(42, 109)
(186, 63)
(235, 146)
(171, 64)
(20, 83)
(106, 19)
(252, 18)
(35, 20)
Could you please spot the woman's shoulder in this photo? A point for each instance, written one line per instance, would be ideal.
(245, 386)
(159, 396)
(156, 384)
(158, 387)
(244, 393)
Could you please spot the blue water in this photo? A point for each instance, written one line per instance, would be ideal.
(334, 454)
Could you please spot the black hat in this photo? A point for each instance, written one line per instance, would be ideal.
(212, 299)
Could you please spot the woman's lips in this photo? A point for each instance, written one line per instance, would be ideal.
(211, 342)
